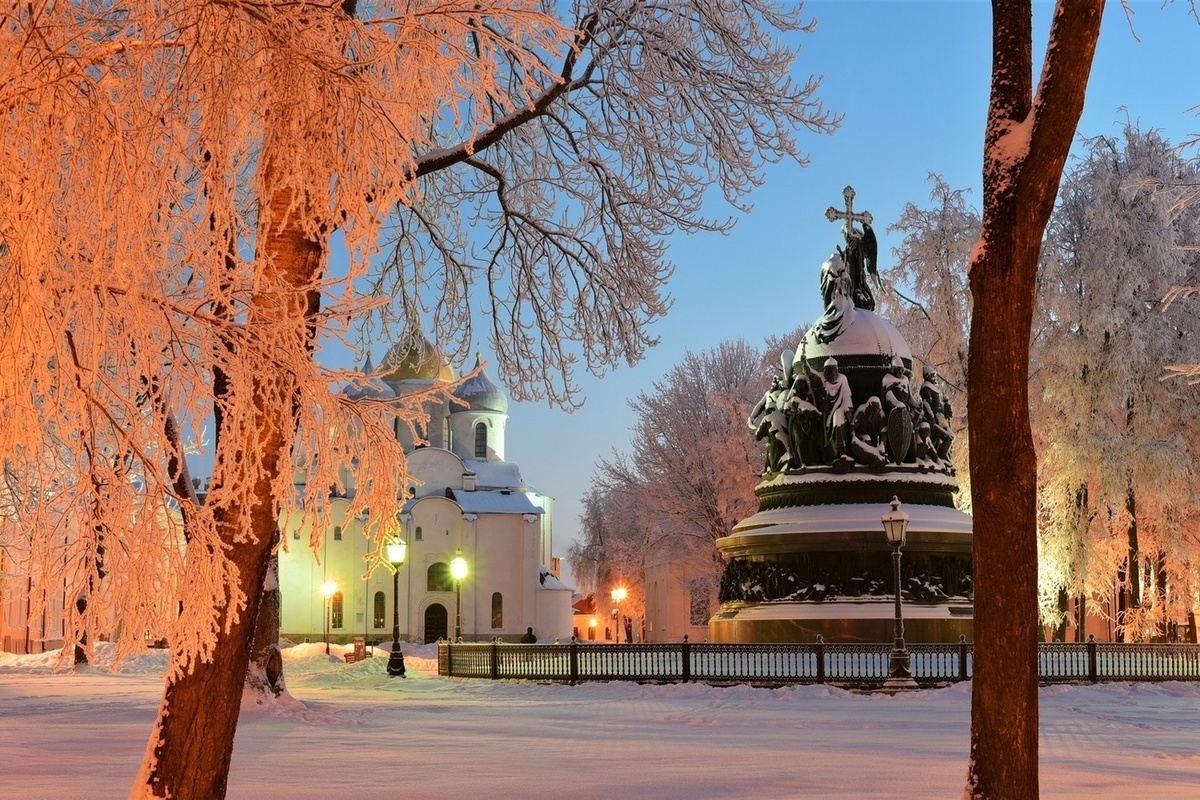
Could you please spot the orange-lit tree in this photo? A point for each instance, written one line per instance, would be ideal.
(171, 178)
(169, 188)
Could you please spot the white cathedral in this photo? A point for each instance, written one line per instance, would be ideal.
(467, 501)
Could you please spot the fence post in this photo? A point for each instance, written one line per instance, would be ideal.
(574, 660)
(1091, 655)
(449, 659)
(685, 654)
(820, 646)
(962, 657)
(495, 658)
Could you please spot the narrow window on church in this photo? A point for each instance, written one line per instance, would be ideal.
(418, 536)
(337, 533)
(481, 441)
(497, 611)
(335, 610)
(380, 609)
(438, 579)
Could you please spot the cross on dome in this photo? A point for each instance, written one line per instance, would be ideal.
(833, 215)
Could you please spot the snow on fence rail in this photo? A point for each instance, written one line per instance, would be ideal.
(862, 665)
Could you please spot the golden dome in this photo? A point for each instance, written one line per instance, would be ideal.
(416, 359)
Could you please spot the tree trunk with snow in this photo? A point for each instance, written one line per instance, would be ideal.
(1025, 148)
(190, 751)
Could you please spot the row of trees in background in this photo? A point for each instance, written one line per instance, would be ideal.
(1116, 438)
(688, 479)
(1114, 434)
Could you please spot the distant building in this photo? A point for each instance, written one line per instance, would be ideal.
(588, 623)
(470, 500)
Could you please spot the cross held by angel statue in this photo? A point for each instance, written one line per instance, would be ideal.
(861, 251)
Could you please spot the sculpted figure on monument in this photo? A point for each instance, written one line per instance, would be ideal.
(860, 254)
(844, 275)
(804, 423)
(866, 437)
(903, 409)
(768, 421)
(937, 413)
(923, 445)
(832, 391)
(837, 293)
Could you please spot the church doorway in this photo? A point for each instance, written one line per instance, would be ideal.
(436, 623)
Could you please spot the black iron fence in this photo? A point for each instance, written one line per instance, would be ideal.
(855, 665)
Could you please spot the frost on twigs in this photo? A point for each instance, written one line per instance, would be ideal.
(562, 220)
(163, 164)
(1116, 482)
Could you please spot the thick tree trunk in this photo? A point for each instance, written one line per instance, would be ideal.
(189, 753)
(1026, 147)
(1004, 721)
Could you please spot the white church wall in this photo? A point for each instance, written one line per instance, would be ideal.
(436, 469)
(554, 616)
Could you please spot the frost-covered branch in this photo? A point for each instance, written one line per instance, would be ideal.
(563, 202)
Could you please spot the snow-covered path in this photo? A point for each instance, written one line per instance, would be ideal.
(356, 731)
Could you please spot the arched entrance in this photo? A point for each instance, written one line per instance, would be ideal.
(436, 623)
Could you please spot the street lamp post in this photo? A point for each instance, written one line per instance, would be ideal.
(396, 549)
(618, 594)
(458, 571)
(328, 590)
(895, 526)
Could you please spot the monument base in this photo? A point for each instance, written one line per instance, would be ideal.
(864, 621)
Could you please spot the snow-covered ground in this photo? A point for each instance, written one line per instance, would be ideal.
(352, 731)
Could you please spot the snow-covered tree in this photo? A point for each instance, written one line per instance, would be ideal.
(930, 302)
(1115, 440)
(689, 473)
(1026, 141)
(172, 176)
(612, 547)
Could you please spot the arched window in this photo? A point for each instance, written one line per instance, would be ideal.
(380, 609)
(481, 441)
(497, 611)
(438, 579)
(337, 533)
(418, 536)
(335, 610)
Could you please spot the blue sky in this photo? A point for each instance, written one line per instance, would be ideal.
(912, 78)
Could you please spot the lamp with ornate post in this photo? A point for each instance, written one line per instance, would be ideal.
(396, 549)
(458, 571)
(328, 590)
(895, 526)
(618, 594)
